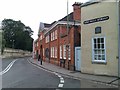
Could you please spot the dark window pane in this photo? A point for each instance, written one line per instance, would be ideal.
(103, 57)
(95, 57)
(102, 40)
(98, 46)
(99, 57)
(94, 40)
(99, 52)
(98, 40)
(102, 45)
(95, 46)
(95, 51)
(103, 51)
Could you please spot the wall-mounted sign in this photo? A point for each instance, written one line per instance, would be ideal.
(96, 20)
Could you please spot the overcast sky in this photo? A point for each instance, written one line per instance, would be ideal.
(32, 12)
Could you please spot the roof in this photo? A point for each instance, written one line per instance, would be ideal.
(47, 25)
(70, 17)
(44, 26)
(89, 3)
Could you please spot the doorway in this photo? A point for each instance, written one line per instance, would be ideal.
(78, 58)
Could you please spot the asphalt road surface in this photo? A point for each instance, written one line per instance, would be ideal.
(22, 74)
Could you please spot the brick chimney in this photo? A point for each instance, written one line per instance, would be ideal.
(77, 11)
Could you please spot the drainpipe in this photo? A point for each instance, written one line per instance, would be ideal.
(67, 47)
(118, 13)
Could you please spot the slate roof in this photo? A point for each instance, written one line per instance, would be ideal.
(70, 17)
(46, 25)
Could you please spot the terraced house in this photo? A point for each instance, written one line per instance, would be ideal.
(57, 41)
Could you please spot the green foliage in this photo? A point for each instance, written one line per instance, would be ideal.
(17, 35)
(2, 41)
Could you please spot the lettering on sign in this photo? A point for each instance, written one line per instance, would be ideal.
(96, 20)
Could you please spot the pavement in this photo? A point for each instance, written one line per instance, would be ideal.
(77, 75)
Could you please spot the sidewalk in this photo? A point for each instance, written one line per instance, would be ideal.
(74, 74)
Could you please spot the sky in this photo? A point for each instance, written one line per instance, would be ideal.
(32, 12)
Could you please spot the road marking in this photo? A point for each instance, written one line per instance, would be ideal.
(60, 85)
(61, 78)
(61, 81)
(7, 68)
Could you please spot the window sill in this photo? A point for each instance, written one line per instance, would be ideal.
(99, 62)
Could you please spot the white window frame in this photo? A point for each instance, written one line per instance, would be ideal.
(47, 39)
(51, 37)
(37, 44)
(60, 51)
(40, 37)
(64, 51)
(102, 51)
(55, 34)
(43, 51)
(51, 51)
(69, 53)
(55, 52)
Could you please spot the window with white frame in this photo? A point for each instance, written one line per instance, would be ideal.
(99, 51)
(43, 52)
(51, 51)
(61, 52)
(55, 52)
(69, 52)
(51, 37)
(55, 34)
(40, 37)
(47, 39)
(37, 44)
(64, 51)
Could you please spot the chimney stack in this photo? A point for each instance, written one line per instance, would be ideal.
(77, 11)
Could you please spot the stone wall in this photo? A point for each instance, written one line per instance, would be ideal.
(8, 52)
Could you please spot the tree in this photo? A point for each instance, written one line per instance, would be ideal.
(17, 35)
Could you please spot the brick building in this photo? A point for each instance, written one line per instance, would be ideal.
(57, 41)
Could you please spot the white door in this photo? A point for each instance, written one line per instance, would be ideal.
(77, 58)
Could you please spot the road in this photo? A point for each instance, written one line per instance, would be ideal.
(22, 74)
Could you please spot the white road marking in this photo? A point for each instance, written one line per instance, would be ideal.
(61, 81)
(61, 78)
(7, 68)
(60, 85)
